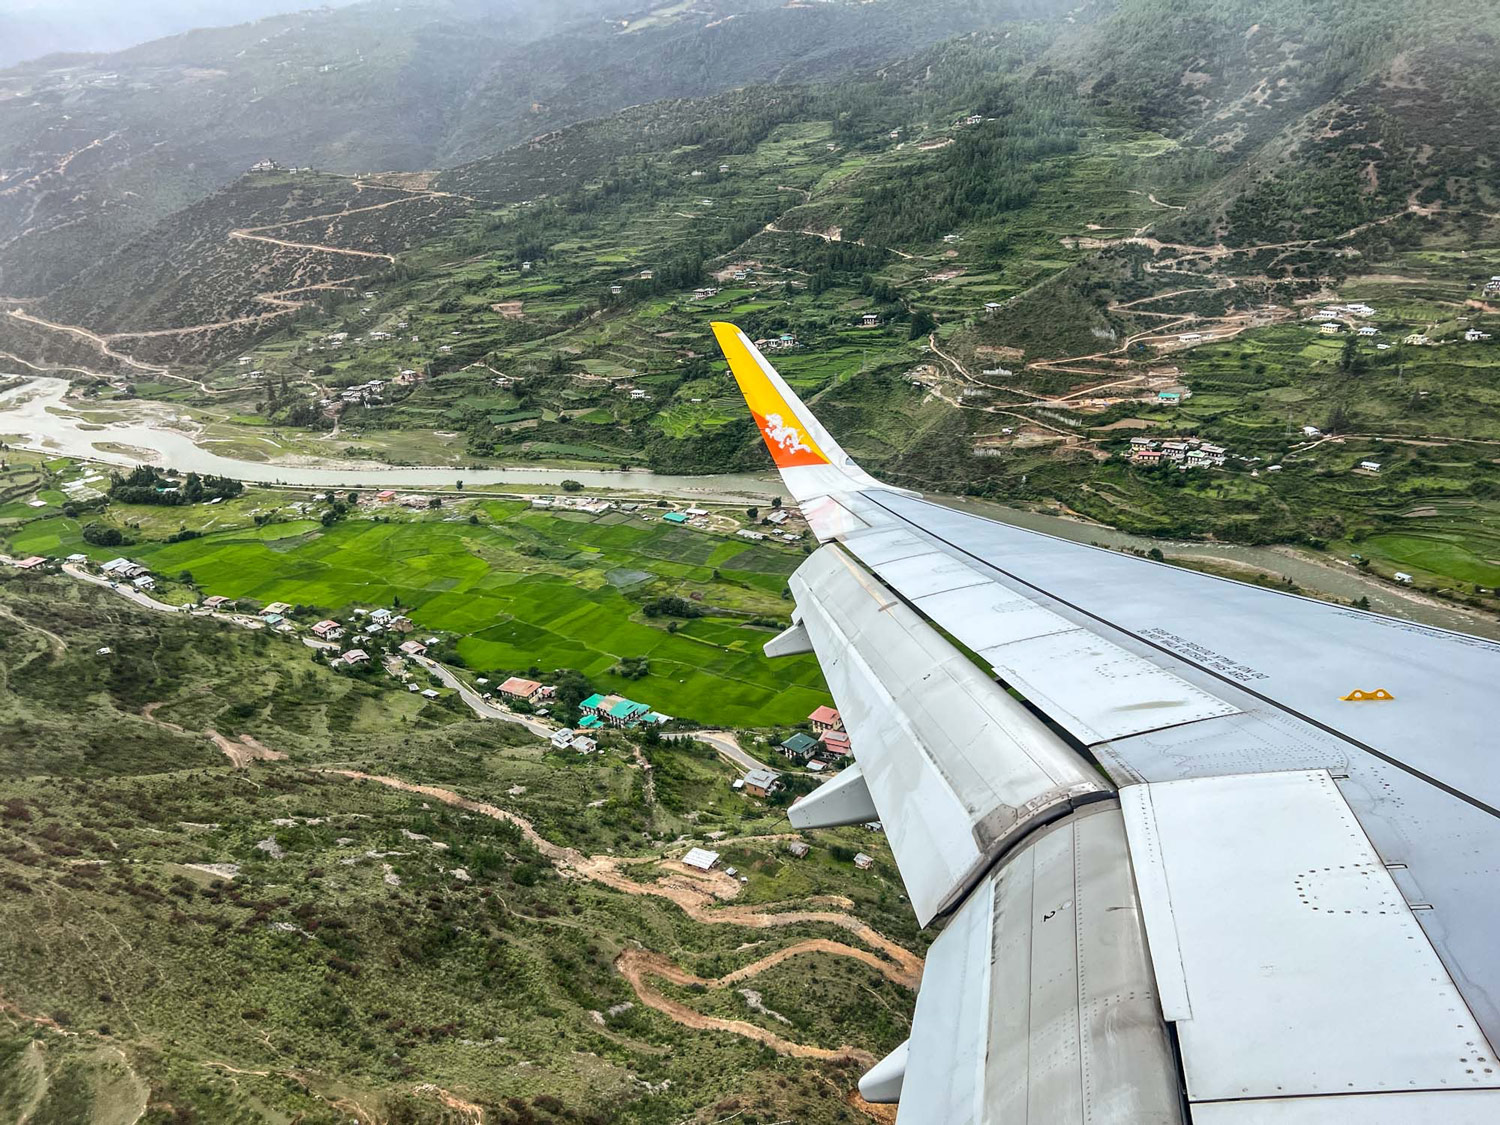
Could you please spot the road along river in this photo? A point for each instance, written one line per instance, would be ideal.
(35, 416)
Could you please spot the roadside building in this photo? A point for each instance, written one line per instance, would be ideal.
(218, 601)
(144, 582)
(562, 738)
(626, 713)
(1402, 576)
(518, 688)
(799, 747)
(328, 630)
(701, 858)
(282, 608)
(833, 746)
(584, 744)
(77, 558)
(675, 517)
(413, 648)
(1369, 330)
(381, 616)
(762, 783)
(826, 718)
(30, 563)
(355, 656)
(123, 568)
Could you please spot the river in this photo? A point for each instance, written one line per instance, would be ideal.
(34, 416)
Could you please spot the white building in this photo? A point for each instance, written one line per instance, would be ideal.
(701, 858)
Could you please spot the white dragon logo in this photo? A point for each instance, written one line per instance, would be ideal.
(785, 436)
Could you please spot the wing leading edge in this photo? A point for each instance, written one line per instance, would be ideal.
(1093, 924)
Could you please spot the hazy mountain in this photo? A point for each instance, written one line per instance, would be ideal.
(30, 29)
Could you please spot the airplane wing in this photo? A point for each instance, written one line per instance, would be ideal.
(1200, 851)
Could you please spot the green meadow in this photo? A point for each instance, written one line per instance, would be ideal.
(519, 589)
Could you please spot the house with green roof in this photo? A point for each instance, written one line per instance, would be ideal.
(800, 746)
(675, 517)
(627, 712)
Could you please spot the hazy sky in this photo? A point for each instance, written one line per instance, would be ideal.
(29, 28)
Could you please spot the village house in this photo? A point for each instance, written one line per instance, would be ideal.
(863, 862)
(400, 624)
(562, 738)
(746, 533)
(355, 656)
(701, 858)
(584, 744)
(1417, 340)
(869, 320)
(1473, 335)
(1169, 398)
(30, 563)
(762, 783)
(1369, 330)
(1370, 466)
(123, 568)
(518, 688)
(797, 848)
(833, 746)
(381, 616)
(778, 516)
(1492, 288)
(328, 630)
(277, 607)
(825, 718)
(144, 582)
(1174, 450)
(1215, 454)
(1331, 329)
(218, 601)
(1402, 576)
(799, 747)
(992, 307)
(413, 648)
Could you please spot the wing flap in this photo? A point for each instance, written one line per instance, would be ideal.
(1037, 1001)
(957, 768)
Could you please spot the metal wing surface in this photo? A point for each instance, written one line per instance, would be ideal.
(1181, 875)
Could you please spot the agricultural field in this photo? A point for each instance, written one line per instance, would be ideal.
(507, 588)
(392, 910)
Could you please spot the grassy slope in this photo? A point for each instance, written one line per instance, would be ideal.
(311, 985)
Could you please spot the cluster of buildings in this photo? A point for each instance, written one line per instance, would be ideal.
(828, 745)
(785, 342)
(1492, 287)
(1189, 453)
(616, 711)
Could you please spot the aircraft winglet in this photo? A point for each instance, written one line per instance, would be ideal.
(785, 423)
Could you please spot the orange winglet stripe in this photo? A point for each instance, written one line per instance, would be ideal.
(785, 434)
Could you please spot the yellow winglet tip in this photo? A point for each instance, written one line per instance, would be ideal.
(1358, 696)
(782, 425)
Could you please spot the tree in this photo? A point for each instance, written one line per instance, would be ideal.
(572, 486)
(921, 324)
(434, 501)
(752, 513)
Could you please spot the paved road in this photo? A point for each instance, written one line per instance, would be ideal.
(145, 601)
(727, 745)
(479, 705)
